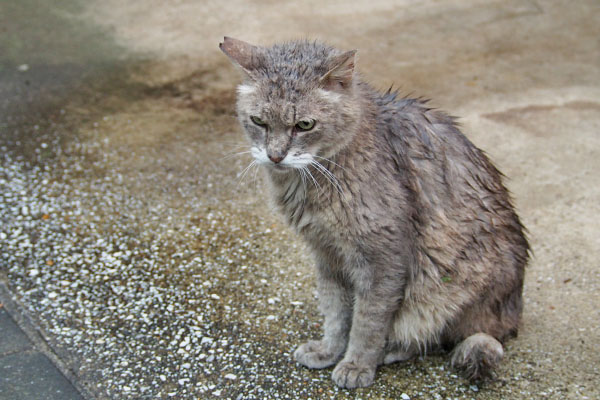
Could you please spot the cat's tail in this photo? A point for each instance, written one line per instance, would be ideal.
(478, 355)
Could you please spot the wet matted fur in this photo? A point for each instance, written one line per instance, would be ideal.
(416, 240)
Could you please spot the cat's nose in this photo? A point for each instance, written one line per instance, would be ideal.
(276, 158)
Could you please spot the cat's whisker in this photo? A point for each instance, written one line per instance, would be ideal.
(236, 154)
(245, 171)
(331, 178)
(312, 178)
(303, 177)
(333, 162)
(239, 144)
(229, 148)
(256, 177)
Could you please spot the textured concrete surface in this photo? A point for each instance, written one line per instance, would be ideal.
(154, 269)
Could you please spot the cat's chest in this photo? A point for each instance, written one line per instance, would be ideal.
(321, 216)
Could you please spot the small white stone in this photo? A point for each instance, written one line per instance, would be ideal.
(215, 296)
(162, 378)
(404, 396)
(231, 377)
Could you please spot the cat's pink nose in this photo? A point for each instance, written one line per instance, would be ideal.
(275, 158)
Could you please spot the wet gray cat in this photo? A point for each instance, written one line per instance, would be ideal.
(416, 241)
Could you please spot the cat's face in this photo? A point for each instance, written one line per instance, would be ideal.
(293, 131)
(297, 104)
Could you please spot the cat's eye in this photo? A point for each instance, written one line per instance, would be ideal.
(258, 121)
(305, 124)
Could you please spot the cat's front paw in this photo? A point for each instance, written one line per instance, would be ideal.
(314, 354)
(348, 374)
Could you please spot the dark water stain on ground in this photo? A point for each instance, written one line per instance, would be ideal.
(58, 72)
(49, 58)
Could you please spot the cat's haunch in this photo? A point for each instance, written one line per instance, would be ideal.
(416, 241)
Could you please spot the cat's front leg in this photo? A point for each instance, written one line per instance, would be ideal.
(336, 306)
(371, 321)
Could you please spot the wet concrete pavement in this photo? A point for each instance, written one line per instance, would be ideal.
(151, 268)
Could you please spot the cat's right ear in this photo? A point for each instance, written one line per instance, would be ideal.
(341, 71)
(242, 54)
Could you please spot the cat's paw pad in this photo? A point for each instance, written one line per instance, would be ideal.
(351, 375)
(314, 355)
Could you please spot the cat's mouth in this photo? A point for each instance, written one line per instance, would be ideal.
(278, 167)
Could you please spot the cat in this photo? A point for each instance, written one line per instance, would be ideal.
(416, 241)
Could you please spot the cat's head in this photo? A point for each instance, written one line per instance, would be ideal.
(298, 101)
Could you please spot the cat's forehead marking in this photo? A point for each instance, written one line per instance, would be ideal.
(283, 112)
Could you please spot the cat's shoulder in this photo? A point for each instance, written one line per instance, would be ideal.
(417, 110)
(414, 119)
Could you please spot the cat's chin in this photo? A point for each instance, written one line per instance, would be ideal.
(280, 169)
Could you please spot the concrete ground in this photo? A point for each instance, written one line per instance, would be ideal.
(151, 268)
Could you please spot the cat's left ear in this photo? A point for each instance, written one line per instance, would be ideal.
(341, 71)
(245, 55)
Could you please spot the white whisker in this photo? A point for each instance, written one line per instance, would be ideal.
(256, 178)
(302, 174)
(237, 154)
(312, 178)
(328, 175)
(327, 159)
(245, 171)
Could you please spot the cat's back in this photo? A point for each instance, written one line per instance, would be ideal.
(419, 132)
(459, 193)
(439, 159)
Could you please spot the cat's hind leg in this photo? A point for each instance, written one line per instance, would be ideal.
(398, 354)
(478, 355)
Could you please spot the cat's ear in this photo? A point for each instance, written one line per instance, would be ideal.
(341, 71)
(243, 54)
